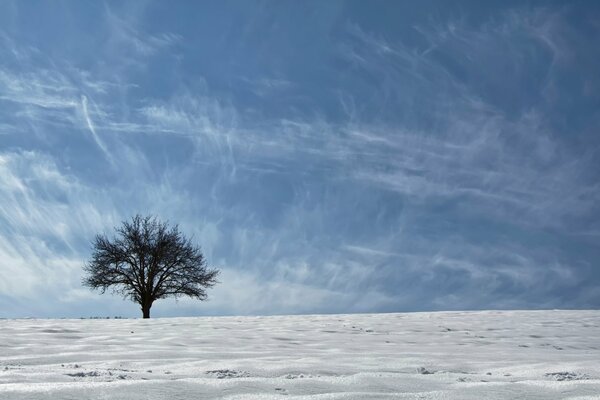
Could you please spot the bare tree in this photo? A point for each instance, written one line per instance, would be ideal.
(146, 261)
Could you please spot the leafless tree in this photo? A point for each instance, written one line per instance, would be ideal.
(147, 260)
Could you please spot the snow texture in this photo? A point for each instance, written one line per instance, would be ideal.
(446, 355)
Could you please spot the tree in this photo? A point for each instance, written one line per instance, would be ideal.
(146, 261)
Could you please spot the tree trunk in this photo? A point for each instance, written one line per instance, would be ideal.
(146, 310)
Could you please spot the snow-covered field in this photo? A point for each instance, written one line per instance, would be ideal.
(453, 355)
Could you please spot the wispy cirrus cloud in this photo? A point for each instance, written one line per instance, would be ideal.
(124, 33)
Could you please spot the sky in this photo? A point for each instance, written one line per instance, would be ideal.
(328, 157)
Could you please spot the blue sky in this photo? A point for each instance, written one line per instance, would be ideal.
(327, 156)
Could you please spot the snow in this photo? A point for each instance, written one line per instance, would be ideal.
(449, 355)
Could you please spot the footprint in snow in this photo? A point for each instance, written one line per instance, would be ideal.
(84, 374)
(567, 376)
(228, 373)
(297, 376)
(424, 371)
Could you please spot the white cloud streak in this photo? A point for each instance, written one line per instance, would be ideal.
(92, 129)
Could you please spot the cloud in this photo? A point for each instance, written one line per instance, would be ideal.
(514, 164)
(90, 125)
(45, 90)
(47, 218)
(124, 33)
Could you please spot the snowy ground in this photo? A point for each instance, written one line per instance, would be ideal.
(466, 355)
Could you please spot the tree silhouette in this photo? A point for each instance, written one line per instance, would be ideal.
(146, 261)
